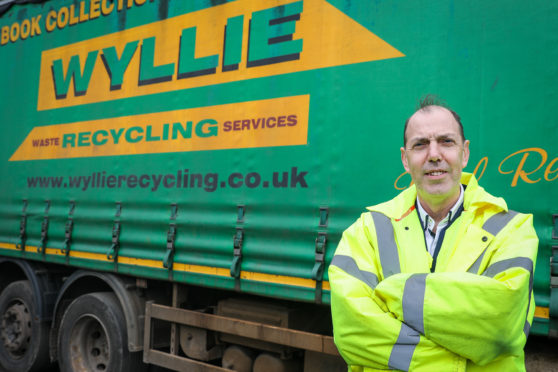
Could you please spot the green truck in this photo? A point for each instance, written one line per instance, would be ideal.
(176, 174)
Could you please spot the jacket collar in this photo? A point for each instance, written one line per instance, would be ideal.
(404, 203)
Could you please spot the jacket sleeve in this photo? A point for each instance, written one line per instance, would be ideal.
(478, 316)
(365, 332)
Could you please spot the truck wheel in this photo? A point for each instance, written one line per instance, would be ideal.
(23, 338)
(93, 337)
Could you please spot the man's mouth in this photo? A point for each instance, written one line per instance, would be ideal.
(435, 173)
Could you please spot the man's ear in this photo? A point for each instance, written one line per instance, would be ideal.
(465, 154)
(404, 159)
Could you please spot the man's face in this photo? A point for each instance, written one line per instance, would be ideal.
(435, 154)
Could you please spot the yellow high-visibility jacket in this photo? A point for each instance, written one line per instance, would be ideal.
(473, 313)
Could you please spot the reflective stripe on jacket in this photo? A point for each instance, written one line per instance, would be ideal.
(472, 313)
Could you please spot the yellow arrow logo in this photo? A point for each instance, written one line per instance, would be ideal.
(241, 125)
(240, 40)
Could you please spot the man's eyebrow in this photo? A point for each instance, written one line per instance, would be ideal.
(438, 137)
(448, 135)
(418, 139)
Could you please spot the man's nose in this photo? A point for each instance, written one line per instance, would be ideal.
(434, 153)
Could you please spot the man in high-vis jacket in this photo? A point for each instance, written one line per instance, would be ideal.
(439, 278)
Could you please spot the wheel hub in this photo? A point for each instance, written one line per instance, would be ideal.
(90, 349)
(16, 329)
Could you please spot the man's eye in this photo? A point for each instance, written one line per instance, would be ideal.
(448, 141)
(419, 145)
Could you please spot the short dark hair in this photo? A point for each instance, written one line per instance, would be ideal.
(425, 104)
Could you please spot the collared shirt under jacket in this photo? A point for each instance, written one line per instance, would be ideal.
(472, 313)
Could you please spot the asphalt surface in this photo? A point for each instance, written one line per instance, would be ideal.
(541, 355)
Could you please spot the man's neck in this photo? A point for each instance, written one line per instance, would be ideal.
(438, 209)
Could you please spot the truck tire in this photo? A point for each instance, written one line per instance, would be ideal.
(23, 337)
(93, 337)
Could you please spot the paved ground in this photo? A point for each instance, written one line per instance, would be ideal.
(541, 355)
